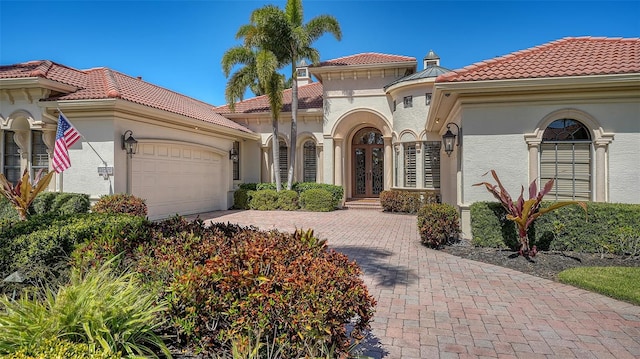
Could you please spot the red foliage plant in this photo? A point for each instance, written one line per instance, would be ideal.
(226, 281)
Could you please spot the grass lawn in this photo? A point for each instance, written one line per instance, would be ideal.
(617, 282)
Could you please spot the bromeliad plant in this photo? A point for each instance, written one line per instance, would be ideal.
(24, 192)
(524, 212)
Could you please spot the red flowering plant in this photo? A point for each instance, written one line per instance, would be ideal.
(524, 212)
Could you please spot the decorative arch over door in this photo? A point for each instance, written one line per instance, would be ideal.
(367, 163)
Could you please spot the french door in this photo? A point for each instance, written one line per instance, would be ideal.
(368, 170)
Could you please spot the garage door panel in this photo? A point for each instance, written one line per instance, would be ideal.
(178, 179)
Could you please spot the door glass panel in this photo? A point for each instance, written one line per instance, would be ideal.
(377, 170)
(360, 172)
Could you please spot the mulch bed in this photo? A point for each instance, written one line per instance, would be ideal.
(546, 264)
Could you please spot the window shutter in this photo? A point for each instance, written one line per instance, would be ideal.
(283, 162)
(431, 154)
(410, 165)
(309, 162)
(569, 163)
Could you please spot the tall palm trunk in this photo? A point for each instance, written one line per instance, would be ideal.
(294, 123)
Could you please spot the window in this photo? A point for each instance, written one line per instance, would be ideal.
(309, 162)
(565, 156)
(283, 162)
(428, 99)
(302, 72)
(236, 163)
(11, 168)
(408, 101)
(39, 155)
(431, 153)
(410, 165)
(395, 105)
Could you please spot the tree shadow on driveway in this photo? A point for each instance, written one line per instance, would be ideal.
(375, 262)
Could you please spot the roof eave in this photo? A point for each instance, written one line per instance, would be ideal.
(36, 82)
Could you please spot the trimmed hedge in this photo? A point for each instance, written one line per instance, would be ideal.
(59, 202)
(288, 200)
(406, 201)
(39, 248)
(317, 200)
(264, 200)
(243, 196)
(608, 227)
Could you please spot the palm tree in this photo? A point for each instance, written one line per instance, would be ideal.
(283, 34)
(260, 76)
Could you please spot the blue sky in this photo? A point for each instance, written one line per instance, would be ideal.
(179, 44)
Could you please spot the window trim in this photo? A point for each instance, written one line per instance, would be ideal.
(408, 101)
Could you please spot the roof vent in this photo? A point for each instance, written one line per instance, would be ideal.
(432, 59)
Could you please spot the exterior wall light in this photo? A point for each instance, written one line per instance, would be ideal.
(233, 155)
(129, 144)
(448, 138)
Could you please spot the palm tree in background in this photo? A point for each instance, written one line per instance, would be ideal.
(283, 34)
(258, 72)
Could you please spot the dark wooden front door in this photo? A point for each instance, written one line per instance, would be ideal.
(368, 163)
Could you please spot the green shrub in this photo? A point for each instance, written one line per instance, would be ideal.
(61, 202)
(263, 186)
(242, 198)
(7, 211)
(438, 224)
(100, 308)
(39, 248)
(607, 228)
(264, 200)
(337, 192)
(406, 201)
(60, 348)
(289, 287)
(317, 200)
(248, 186)
(121, 203)
(288, 200)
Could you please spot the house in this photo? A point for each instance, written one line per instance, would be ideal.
(568, 109)
(182, 163)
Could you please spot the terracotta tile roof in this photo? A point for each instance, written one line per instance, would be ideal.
(570, 56)
(309, 97)
(366, 58)
(103, 83)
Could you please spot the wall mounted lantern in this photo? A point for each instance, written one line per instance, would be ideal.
(448, 138)
(129, 144)
(233, 155)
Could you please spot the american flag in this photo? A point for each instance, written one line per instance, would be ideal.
(66, 136)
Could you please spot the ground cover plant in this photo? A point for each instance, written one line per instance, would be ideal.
(109, 312)
(406, 201)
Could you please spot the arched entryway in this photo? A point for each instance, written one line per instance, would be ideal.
(367, 163)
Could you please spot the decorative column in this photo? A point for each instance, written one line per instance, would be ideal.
(534, 154)
(264, 169)
(419, 165)
(388, 163)
(320, 164)
(337, 164)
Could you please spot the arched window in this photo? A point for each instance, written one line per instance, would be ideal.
(565, 156)
(309, 168)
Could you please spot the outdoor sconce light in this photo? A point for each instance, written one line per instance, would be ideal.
(448, 138)
(129, 144)
(233, 155)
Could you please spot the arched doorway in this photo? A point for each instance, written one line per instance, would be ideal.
(367, 164)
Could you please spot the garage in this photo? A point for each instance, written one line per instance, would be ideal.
(178, 178)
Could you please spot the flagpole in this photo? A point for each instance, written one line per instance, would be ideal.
(88, 143)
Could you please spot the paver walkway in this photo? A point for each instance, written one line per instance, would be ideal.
(435, 305)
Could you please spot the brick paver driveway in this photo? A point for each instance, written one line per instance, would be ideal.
(434, 305)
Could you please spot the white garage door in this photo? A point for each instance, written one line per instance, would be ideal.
(178, 179)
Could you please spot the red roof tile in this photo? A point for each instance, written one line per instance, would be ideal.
(309, 97)
(366, 58)
(103, 83)
(571, 56)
